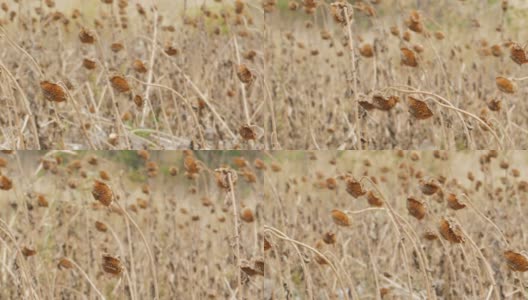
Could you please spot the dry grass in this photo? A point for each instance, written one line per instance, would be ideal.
(259, 225)
(271, 74)
(154, 229)
(433, 58)
(325, 243)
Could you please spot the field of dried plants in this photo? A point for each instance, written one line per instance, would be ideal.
(126, 225)
(263, 74)
(398, 225)
(263, 225)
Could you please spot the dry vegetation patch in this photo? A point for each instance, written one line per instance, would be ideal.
(266, 225)
(264, 74)
(128, 225)
(443, 225)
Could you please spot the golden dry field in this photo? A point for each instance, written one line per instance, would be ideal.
(398, 225)
(119, 99)
(127, 225)
(263, 225)
(263, 74)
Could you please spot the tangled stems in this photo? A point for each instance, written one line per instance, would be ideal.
(279, 234)
(449, 106)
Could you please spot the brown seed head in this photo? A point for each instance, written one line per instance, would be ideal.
(27, 252)
(249, 176)
(331, 183)
(339, 11)
(41, 200)
(143, 154)
(429, 187)
(52, 92)
(223, 176)
(103, 175)
(319, 245)
(518, 55)
(239, 6)
(414, 22)
(430, 236)
(116, 47)
(86, 36)
(259, 164)
(89, 64)
(340, 218)
(145, 189)
(374, 200)
(191, 165)
(275, 167)
(240, 162)
(450, 233)
(65, 263)
(173, 171)
(504, 5)
(452, 202)
(395, 31)
(102, 193)
(408, 57)
(142, 203)
(256, 267)
(247, 215)
(419, 109)
(505, 85)
(406, 36)
(516, 261)
(138, 100)
(170, 50)
(269, 5)
(494, 104)
(112, 265)
(244, 74)
(496, 50)
(139, 66)
(258, 263)
(5, 183)
(247, 132)
(267, 244)
(100, 226)
(439, 35)
(354, 188)
(366, 50)
(120, 84)
(329, 237)
(381, 103)
(416, 208)
(367, 105)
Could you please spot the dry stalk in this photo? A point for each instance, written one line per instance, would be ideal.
(241, 84)
(83, 128)
(480, 214)
(279, 234)
(150, 69)
(488, 268)
(27, 107)
(120, 126)
(452, 107)
(394, 217)
(193, 114)
(354, 76)
(25, 269)
(147, 247)
(87, 279)
(237, 235)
